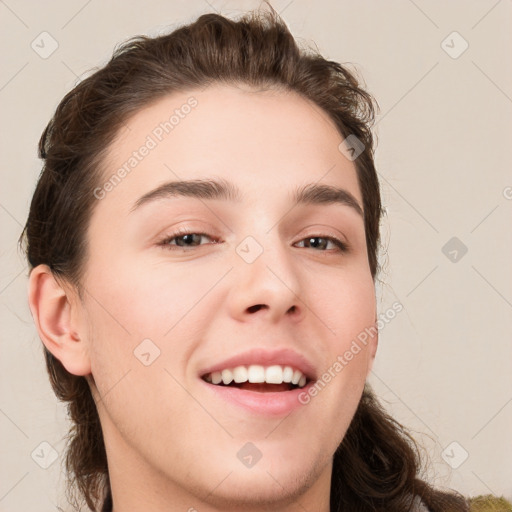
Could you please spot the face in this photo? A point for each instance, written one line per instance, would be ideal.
(187, 285)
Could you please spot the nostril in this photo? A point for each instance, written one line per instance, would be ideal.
(253, 309)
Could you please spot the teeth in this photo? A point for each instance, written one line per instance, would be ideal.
(287, 374)
(240, 374)
(255, 373)
(296, 377)
(227, 376)
(274, 375)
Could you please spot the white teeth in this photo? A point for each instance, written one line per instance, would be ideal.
(287, 374)
(255, 373)
(274, 375)
(227, 376)
(240, 374)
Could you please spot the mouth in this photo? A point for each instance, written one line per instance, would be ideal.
(260, 382)
(259, 378)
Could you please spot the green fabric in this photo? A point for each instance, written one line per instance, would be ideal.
(489, 503)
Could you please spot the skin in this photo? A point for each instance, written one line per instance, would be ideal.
(171, 446)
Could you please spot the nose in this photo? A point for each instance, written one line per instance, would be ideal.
(268, 287)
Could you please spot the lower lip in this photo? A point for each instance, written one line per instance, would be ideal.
(270, 403)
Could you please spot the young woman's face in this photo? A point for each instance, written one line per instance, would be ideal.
(260, 281)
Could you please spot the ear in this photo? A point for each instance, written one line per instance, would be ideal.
(55, 315)
(373, 344)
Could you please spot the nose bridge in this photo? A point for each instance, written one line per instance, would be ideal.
(265, 278)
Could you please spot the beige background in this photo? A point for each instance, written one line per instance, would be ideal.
(444, 131)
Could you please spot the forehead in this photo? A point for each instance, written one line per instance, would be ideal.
(265, 141)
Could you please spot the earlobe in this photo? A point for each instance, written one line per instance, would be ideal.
(52, 311)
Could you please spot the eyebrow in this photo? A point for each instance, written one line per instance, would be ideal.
(222, 189)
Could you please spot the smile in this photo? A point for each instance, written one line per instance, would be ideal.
(259, 378)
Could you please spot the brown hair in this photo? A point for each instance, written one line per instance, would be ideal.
(376, 467)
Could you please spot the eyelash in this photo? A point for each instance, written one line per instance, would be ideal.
(341, 246)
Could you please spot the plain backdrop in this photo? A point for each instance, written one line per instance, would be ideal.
(441, 74)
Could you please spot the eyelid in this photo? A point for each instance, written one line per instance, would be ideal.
(341, 245)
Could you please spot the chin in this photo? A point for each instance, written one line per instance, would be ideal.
(269, 482)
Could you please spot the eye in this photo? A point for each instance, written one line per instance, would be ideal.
(183, 239)
(323, 241)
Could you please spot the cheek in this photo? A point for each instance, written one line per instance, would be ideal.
(349, 312)
(148, 300)
(136, 310)
(346, 305)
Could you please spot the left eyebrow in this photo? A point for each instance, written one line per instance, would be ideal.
(225, 190)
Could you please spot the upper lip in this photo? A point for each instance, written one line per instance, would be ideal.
(265, 357)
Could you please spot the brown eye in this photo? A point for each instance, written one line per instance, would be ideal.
(184, 240)
(322, 242)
